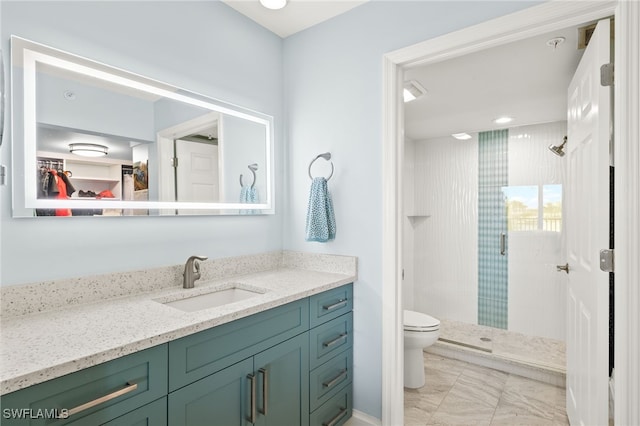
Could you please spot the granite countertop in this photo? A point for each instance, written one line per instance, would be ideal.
(42, 346)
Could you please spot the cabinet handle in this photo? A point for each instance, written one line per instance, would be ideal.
(334, 341)
(339, 304)
(337, 418)
(252, 383)
(265, 390)
(336, 379)
(503, 244)
(130, 387)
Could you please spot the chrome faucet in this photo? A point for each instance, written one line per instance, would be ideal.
(192, 271)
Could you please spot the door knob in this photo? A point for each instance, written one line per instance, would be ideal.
(564, 267)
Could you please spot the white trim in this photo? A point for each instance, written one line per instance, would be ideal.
(392, 336)
(536, 20)
(627, 214)
(363, 418)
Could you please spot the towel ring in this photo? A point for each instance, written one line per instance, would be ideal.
(326, 156)
(253, 167)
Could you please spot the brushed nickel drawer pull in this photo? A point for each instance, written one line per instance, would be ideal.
(252, 382)
(265, 390)
(336, 379)
(339, 304)
(130, 387)
(330, 343)
(337, 418)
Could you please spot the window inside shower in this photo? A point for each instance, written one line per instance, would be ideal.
(534, 207)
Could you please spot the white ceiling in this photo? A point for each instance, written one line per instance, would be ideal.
(527, 80)
(296, 16)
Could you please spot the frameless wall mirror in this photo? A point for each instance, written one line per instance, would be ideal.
(91, 139)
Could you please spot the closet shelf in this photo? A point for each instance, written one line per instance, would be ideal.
(93, 179)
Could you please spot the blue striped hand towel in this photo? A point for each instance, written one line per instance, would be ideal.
(249, 195)
(321, 221)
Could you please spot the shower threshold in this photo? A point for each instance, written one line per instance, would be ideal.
(538, 358)
(466, 345)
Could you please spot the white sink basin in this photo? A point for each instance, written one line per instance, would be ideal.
(213, 299)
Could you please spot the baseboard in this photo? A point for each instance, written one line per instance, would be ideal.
(361, 419)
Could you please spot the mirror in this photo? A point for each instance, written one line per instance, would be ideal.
(90, 139)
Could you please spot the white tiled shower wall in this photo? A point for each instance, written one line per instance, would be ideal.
(441, 250)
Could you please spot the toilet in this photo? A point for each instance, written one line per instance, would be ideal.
(420, 331)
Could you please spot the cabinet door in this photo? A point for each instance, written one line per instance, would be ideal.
(221, 399)
(283, 383)
(154, 414)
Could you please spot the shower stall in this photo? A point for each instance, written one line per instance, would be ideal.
(483, 236)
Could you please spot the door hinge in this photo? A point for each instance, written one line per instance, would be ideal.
(3, 175)
(606, 260)
(174, 162)
(606, 74)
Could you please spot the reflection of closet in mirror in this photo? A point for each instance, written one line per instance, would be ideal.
(108, 176)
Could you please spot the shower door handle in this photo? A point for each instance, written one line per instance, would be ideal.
(503, 243)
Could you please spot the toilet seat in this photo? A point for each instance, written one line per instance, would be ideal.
(417, 321)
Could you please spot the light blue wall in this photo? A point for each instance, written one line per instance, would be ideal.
(206, 47)
(334, 103)
(333, 96)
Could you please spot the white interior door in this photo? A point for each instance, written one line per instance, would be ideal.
(587, 226)
(197, 172)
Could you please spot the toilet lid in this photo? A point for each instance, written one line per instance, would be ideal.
(417, 321)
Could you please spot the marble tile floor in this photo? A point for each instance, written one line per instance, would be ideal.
(460, 393)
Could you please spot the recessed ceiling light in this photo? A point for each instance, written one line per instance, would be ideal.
(503, 120)
(273, 4)
(88, 149)
(69, 95)
(412, 90)
(462, 136)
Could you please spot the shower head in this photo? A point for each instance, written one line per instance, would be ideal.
(558, 150)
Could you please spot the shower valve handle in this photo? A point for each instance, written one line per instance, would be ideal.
(564, 268)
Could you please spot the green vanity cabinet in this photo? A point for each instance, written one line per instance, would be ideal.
(286, 366)
(92, 396)
(199, 355)
(250, 371)
(270, 388)
(331, 357)
(153, 414)
(222, 398)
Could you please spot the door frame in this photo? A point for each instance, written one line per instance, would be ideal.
(527, 23)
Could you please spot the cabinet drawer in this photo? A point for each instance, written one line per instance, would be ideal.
(335, 412)
(330, 304)
(326, 380)
(328, 339)
(92, 396)
(154, 414)
(199, 355)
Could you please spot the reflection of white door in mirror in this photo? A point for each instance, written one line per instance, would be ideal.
(176, 147)
(196, 172)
